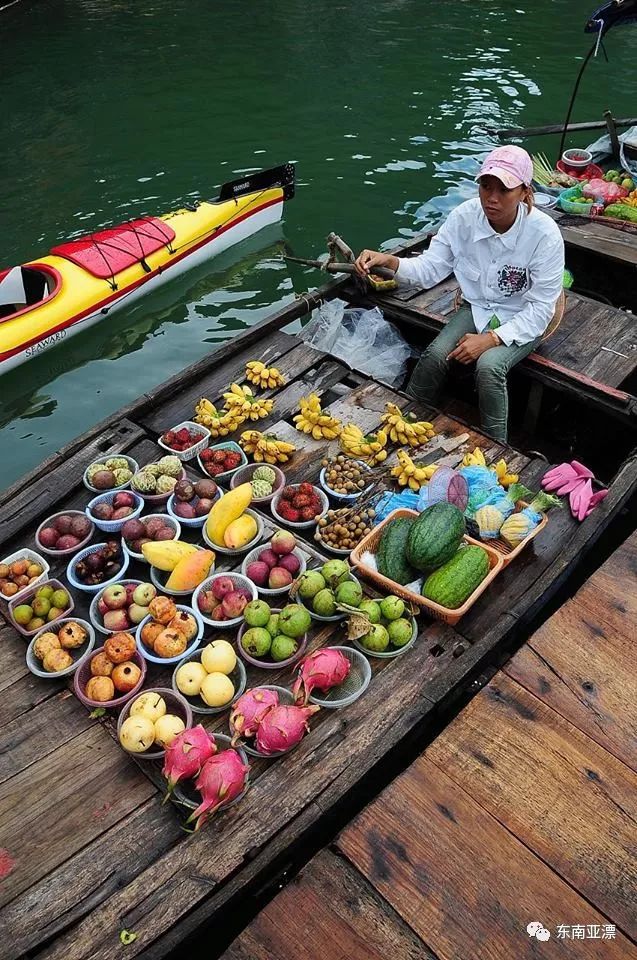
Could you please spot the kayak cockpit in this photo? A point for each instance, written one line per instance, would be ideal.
(23, 288)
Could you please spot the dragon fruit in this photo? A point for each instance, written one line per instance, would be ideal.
(223, 778)
(249, 710)
(186, 755)
(322, 669)
(282, 728)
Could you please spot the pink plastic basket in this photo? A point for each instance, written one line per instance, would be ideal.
(83, 675)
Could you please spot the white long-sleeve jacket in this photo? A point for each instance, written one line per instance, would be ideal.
(517, 275)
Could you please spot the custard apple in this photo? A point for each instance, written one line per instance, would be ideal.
(170, 466)
(265, 473)
(144, 482)
(122, 475)
(153, 469)
(165, 484)
(93, 469)
(117, 463)
(261, 488)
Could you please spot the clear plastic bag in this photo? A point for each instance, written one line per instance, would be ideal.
(363, 339)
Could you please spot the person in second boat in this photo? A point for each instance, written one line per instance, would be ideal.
(508, 258)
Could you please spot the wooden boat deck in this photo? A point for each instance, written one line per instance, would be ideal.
(86, 848)
(523, 809)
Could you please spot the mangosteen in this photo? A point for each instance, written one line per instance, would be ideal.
(165, 533)
(81, 570)
(62, 523)
(122, 512)
(94, 562)
(110, 550)
(66, 542)
(206, 489)
(185, 510)
(184, 490)
(104, 480)
(152, 526)
(102, 511)
(133, 530)
(80, 527)
(203, 507)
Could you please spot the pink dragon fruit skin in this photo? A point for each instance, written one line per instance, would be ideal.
(222, 779)
(249, 710)
(186, 755)
(282, 728)
(323, 669)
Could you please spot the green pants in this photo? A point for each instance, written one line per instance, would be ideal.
(491, 371)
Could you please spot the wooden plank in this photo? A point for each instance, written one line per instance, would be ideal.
(614, 581)
(53, 808)
(459, 879)
(569, 801)
(327, 912)
(31, 501)
(78, 886)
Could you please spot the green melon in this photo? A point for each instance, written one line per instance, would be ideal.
(455, 581)
(391, 558)
(435, 536)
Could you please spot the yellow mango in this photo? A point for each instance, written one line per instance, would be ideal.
(166, 554)
(191, 570)
(230, 507)
(240, 531)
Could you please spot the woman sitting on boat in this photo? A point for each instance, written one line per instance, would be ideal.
(508, 258)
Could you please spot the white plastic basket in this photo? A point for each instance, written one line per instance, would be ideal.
(169, 521)
(113, 526)
(231, 551)
(133, 466)
(79, 654)
(354, 685)
(32, 557)
(94, 614)
(239, 581)
(224, 445)
(238, 677)
(304, 524)
(267, 591)
(191, 452)
(90, 588)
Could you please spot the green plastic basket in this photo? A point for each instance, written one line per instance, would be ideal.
(569, 204)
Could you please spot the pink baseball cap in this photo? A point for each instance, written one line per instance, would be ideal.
(512, 165)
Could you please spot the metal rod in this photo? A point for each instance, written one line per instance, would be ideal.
(512, 132)
(383, 272)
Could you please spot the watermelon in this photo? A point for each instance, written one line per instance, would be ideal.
(391, 558)
(435, 536)
(455, 581)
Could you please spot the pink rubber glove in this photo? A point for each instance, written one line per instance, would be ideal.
(580, 499)
(558, 476)
(581, 469)
(595, 499)
(571, 485)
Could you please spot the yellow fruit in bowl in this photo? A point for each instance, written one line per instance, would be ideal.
(217, 690)
(167, 728)
(219, 657)
(189, 678)
(148, 705)
(240, 532)
(137, 734)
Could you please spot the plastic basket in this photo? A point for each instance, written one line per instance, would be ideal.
(192, 646)
(345, 498)
(389, 654)
(258, 537)
(90, 588)
(305, 524)
(271, 664)
(238, 677)
(190, 452)
(169, 521)
(83, 675)
(245, 474)
(226, 445)
(337, 551)
(160, 578)
(239, 581)
(28, 595)
(32, 557)
(175, 704)
(369, 544)
(286, 698)
(133, 466)
(157, 499)
(185, 793)
(95, 615)
(193, 522)
(354, 685)
(113, 526)
(51, 551)
(317, 616)
(267, 591)
(570, 205)
(509, 553)
(78, 653)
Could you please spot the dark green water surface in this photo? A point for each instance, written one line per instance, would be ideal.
(110, 109)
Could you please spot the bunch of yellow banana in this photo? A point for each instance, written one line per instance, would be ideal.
(219, 424)
(242, 400)
(265, 448)
(475, 459)
(406, 429)
(409, 474)
(505, 479)
(370, 448)
(262, 376)
(312, 420)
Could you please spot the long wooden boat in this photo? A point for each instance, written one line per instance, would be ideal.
(88, 850)
(83, 280)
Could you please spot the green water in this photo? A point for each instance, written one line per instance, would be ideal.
(111, 109)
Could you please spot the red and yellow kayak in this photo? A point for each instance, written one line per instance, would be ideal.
(81, 281)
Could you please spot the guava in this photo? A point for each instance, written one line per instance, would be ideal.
(377, 639)
(294, 620)
(324, 603)
(400, 632)
(272, 626)
(392, 607)
(310, 583)
(349, 592)
(257, 613)
(371, 609)
(334, 571)
(283, 648)
(256, 642)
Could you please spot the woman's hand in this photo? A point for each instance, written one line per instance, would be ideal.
(471, 346)
(368, 259)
